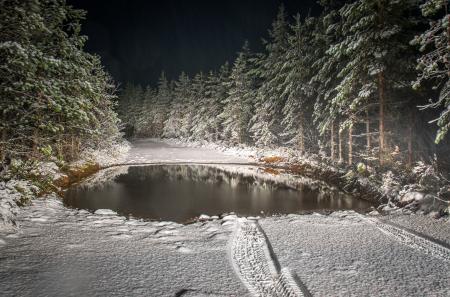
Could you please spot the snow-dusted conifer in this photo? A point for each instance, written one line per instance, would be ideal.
(56, 99)
(237, 110)
(173, 127)
(296, 87)
(269, 98)
(434, 64)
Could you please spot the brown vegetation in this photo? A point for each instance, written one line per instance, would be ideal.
(272, 159)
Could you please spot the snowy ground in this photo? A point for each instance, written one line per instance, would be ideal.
(62, 252)
(152, 151)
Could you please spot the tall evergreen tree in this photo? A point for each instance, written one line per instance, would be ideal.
(296, 88)
(266, 123)
(56, 98)
(200, 102)
(161, 106)
(173, 127)
(216, 92)
(145, 113)
(374, 45)
(326, 68)
(434, 65)
(236, 113)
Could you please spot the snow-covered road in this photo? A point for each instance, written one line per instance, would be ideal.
(153, 151)
(65, 252)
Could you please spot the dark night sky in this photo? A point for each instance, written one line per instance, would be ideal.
(138, 39)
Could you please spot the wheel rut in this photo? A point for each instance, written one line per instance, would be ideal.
(415, 240)
(257, 266)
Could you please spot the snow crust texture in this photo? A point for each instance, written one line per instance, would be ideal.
(66, 252)
(345, 254)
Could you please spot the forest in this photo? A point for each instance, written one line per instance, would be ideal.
(366, 81)
(313, 163)
(56, 99)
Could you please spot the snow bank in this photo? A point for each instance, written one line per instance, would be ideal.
(116, 153)
(15, 193)
(12, 194)
(285, 155)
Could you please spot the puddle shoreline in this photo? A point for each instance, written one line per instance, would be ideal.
(181, 193)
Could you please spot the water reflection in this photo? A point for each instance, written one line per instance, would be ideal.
(181, 192)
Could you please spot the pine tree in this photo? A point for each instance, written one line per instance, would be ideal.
(56, 98)
(434, 64)
(375, 40)
(145, 114)
(215, 92)
(326, 68)
(296, 87)
(173, 127)
(163, 99)
(266, 123)
(237, 110)
(200, 103)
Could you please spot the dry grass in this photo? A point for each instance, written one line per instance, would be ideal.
(271, 171)
(272, 159)
(77, 173)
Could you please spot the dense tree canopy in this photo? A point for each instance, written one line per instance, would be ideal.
(56, 99)
(349, 84)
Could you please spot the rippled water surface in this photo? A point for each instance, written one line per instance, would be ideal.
(182, 192)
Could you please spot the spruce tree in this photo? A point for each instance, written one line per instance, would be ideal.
(163, 99)
(434, 64)
(56, 99)
(327, 31)
(200, 103)
(236, 110)
(374, 43)
(266, 122)
(296, 88)
(173, 126)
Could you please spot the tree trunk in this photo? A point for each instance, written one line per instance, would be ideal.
(368, 138)
(448, 30)
(381, 93)
(72, 147)
(35, 140)
(3, 146)
(341, 157)
(350, 145)
(332, 144)
(301, 140)
(410, 141)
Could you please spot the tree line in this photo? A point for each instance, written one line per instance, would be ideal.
(366, 80)
(56, 99)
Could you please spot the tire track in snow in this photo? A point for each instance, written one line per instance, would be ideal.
(415, 240)
(257, 266)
